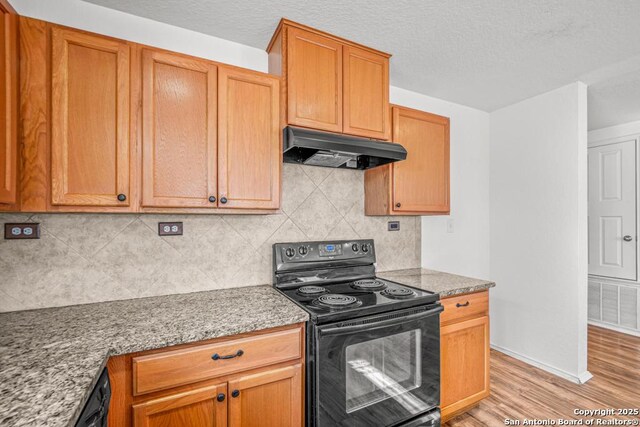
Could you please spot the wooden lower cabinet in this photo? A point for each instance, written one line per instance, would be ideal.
(464, 344)
(262, 385)
(270, 398)
(196, 408)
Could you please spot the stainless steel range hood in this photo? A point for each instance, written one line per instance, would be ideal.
(316, 148)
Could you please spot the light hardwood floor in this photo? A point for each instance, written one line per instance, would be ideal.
(521, 391)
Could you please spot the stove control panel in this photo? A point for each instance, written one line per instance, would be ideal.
(328, 251)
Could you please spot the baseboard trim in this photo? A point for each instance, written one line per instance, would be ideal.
(614, 328)
(577, 379)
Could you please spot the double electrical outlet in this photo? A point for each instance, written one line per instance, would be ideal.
(27, 230)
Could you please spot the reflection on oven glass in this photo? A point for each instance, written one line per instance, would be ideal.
(384, 368)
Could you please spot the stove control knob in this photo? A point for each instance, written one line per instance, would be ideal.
(302, 250)
(365, 248)
(290, 252)
(354, 247)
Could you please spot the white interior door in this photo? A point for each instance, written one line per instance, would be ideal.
(612, 210)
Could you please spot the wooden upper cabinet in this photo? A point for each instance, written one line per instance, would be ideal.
(113, 126)
(179, 128)
(195, 408)
(8, 104)
(366, 93)
(249, 150)
(314, 90)
(420, 184)
(90, 147)
(330, 83)
(272, 397)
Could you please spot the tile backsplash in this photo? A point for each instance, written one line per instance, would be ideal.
(82, 258)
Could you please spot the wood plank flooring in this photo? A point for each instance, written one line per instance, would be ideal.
(520, 391)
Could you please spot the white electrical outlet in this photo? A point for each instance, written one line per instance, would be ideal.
(449, 225)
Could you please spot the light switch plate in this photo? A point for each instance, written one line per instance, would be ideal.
(170, 229)
(23, 230)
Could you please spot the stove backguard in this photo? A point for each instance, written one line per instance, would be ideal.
(300, 263)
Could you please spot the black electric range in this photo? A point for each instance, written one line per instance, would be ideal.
(373, 345)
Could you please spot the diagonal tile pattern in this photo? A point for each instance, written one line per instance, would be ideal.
(83, 258)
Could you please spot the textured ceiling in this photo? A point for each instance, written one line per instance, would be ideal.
(485, 54)
(614, 101)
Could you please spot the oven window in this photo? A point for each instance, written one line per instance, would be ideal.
(384, 368)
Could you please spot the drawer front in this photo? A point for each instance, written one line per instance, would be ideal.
(178, 367)
(465, 306)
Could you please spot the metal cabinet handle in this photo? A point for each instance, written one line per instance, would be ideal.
(627, 238)
(212, 199)
(462, 305)
(223, 199)
(228, 356)
(235, 393)
(122, 197)
(398, 205)
(220, 397)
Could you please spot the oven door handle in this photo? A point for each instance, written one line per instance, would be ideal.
(389, 320)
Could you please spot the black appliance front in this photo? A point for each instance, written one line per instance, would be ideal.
(96, 410)
(381, 370)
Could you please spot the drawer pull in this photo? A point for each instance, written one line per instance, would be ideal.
(228, 356)
(235, 393)
(462, 305)
(220, 397)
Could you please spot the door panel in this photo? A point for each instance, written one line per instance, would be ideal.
(195, 408)
(249, 152)
(612, 210)
(271, 398)
(366, 93)
(8, 106)
(421, 182)
(314, 70)
(465, 364)
(179, 131)
(90, 156)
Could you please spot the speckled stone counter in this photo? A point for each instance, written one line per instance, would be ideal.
(441, 283)
(50, 359)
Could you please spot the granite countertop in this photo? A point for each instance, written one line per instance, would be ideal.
(444, 284)
(50, 359)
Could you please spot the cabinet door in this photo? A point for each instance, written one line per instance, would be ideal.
(271, 398)
(89, 120)
(421, 182)
(464, 364)
(195, 408)
(366, 93)
(8, 105)
(314, 79)
(249, 152)
(179, 131)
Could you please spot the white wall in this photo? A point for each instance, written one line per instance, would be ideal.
(539, 230)
(466, 250)
(110, 22)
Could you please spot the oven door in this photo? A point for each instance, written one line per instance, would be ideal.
(379, 370)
